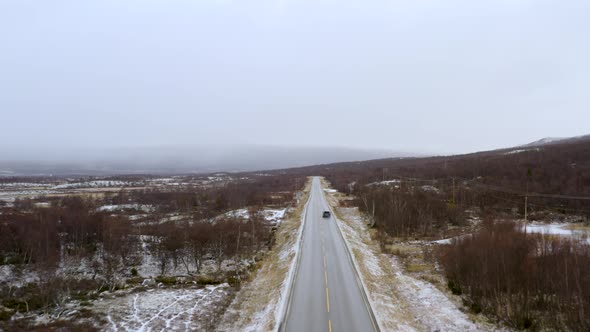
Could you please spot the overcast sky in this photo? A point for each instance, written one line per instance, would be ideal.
(411, 75)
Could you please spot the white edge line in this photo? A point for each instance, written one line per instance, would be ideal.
(359, 278)
(288, 287)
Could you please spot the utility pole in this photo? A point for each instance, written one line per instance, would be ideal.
(453, 192)
(529, 174)
(526, 198)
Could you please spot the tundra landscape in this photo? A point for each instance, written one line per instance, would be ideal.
(294, 165)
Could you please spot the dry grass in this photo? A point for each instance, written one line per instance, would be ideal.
(579, 227)
(418, 268)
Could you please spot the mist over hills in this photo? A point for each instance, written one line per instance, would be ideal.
(166, 160)
(197, 159)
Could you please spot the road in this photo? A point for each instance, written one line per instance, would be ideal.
(326, 294)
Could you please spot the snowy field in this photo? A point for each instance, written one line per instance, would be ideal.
(95, 184)
(188, 309)
(139, 207)
(560, 230)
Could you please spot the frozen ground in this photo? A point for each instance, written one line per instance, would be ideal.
(188, 309)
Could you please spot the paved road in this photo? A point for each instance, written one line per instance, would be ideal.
(327, 295)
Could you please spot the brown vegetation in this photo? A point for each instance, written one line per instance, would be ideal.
(73, 229)
(526, 280)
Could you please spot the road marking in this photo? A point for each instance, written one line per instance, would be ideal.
(328, 298)
(326, 275)
(329, 325)
(325, 263)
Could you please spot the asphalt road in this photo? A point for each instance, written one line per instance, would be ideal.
(326, 293)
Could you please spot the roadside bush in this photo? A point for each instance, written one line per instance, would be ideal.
(454, 287)
(528, 280)
(207, 281)
(6, 314)
(166, 280)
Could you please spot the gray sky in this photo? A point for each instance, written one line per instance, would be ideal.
(410, 75)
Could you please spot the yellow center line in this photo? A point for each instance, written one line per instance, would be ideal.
(329, 325)
(328, 299)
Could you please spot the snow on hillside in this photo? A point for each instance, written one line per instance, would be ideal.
(93, 184)
(24, 185)
(547, 140)
(385, 183)
(139, 207)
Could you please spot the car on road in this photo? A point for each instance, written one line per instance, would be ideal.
(326, 214)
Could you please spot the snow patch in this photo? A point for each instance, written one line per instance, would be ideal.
(432, 307)
(188, 309)
(559, 230)
(139, 207)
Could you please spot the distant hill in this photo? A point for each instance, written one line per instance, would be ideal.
(170, 160)
(557, 167)
(556, 140)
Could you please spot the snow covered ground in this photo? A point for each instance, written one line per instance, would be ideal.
(186, 309)
(139, 207)
(272, 215)
(386, 183)
(11, 195)
(559, 229)
(93, 184)
(433, 308)
(23, 185)
(567, 230)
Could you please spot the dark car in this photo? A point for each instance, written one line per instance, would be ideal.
(326, 214)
